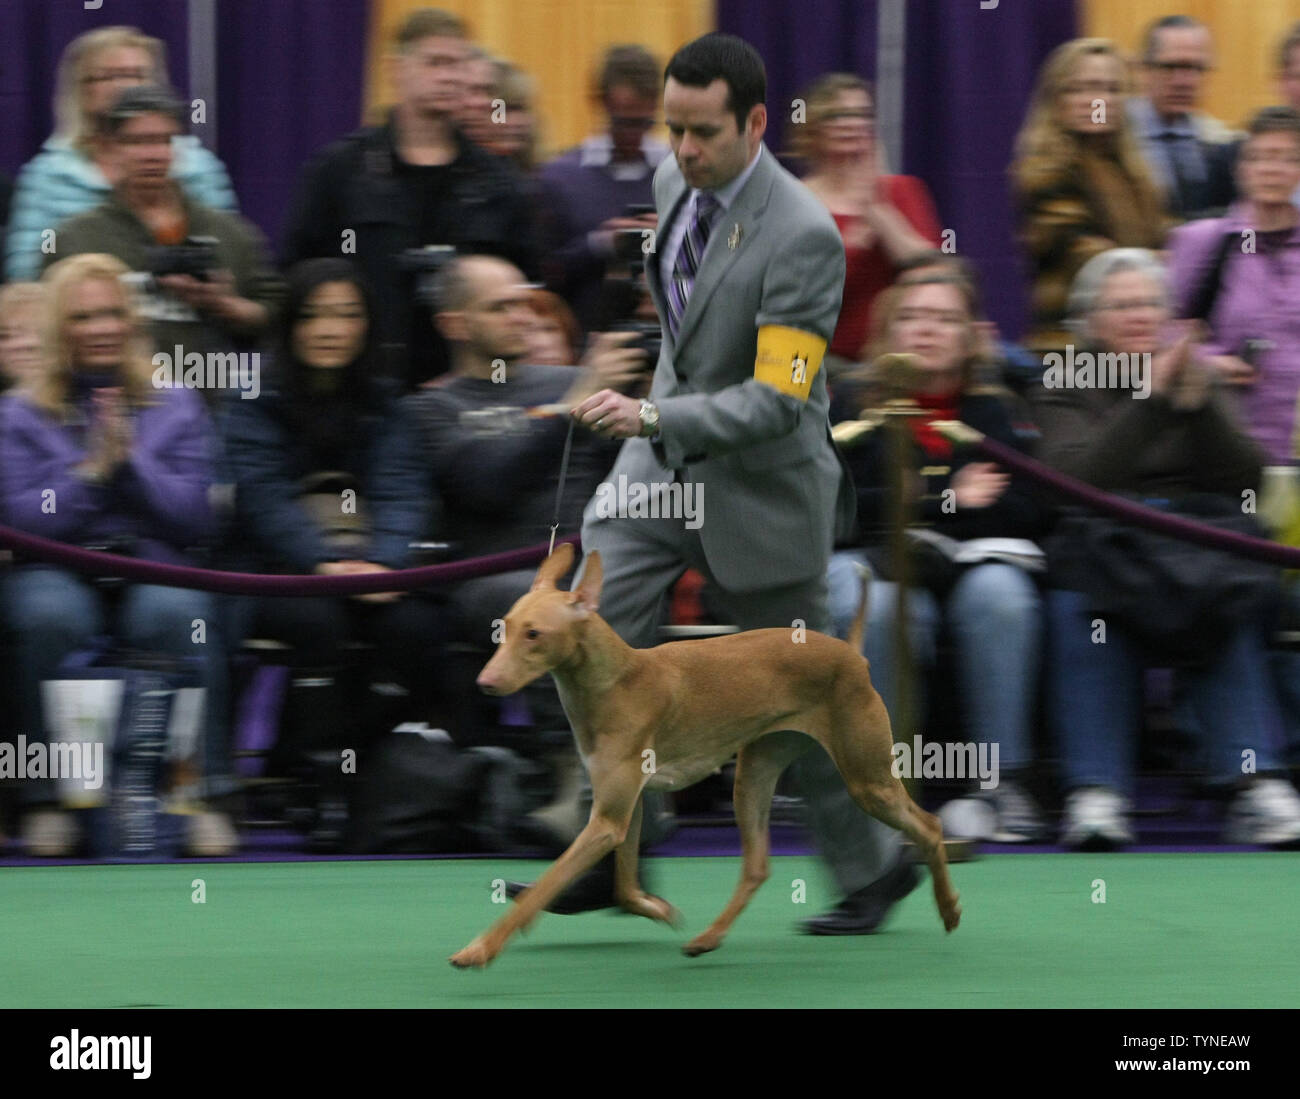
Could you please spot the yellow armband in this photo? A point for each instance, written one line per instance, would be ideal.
(788, 359)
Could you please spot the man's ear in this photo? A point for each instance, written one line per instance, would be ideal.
(586, 592)
(452, 326)
(553, 567)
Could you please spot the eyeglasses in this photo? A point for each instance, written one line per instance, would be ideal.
(850, 116)
(1096, 87)
(1131, 306)
(119, 76)
(935, 316)
(630, 122)
(1169, 68)
(1286, 159)
(142, 140)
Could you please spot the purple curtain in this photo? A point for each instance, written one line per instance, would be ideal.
(968, 79)
(290, 75)
(968, 75)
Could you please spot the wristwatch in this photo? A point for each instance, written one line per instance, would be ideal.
(649, 419)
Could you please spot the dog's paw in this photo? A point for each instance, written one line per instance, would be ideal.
(654, 908)
(475, 956)
(702, 944)
(951, 914)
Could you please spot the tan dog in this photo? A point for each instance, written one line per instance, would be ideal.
(666, 717)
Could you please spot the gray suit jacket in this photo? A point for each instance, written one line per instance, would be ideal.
(776, 494)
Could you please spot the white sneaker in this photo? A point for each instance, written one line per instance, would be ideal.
(968, 819)
(50, 833)
(1267, 813)
(1096, 820)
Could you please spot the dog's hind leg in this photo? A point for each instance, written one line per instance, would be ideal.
(861, 749)
(758, 767)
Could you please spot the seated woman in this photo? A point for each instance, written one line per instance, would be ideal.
(92, 454)
(323, 411)
(1178, 439)
(992, 608)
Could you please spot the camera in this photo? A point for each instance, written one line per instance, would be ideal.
(195, 256)
(423, 264)
(650, 338)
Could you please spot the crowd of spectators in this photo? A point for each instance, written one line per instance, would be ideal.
(441, 296)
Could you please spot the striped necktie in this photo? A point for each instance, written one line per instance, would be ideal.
(688, 258)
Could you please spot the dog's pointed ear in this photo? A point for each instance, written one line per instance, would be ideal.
(554, 566)
(586, 592)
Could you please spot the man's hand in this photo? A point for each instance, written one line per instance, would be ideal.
(356, 568)
(601, 240)
(979, 484)
(609, 364)
(215, 298)
(610, 415)
(1232, 370)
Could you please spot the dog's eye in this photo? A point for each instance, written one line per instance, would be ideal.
(533, 635)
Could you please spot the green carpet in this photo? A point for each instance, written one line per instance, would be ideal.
(1196, 930)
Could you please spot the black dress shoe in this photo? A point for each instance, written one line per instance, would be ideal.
(590, 893)
(863, 912)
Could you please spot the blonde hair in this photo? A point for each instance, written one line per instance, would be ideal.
(71, 121)
(818, 103)
(1046, 148)
(50, 388)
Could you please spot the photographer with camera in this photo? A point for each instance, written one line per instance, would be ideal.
(381, 195)
(494, 430)
(201, 276)
(598, 195)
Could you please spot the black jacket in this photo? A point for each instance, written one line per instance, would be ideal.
(1018, 513)
(356, 184)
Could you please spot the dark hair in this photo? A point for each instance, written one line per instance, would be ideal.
(1168, 23)
(632, 67)
(324, 422)
(1275, 120)
(723, 57)
(428, 23)
(140, 100)
(1289, 43)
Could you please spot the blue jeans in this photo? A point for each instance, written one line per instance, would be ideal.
(1095, 699)
(53, 613)
(995, 617)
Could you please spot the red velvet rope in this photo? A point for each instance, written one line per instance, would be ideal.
(1243, 545)
(248, 583)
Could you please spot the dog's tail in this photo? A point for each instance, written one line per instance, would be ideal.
(857, 631)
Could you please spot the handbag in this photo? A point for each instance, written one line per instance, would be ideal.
(343, 522)
(1179, 601)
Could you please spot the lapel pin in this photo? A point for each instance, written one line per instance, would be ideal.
(733, 241)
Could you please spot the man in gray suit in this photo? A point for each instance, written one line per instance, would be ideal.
(747, 276)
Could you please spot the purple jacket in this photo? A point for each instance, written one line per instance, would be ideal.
(1259, 299)
(159, 495)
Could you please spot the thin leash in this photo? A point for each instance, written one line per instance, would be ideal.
(559, 488)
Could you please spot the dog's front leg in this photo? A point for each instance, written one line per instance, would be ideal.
(614, 799)
(627, 887)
